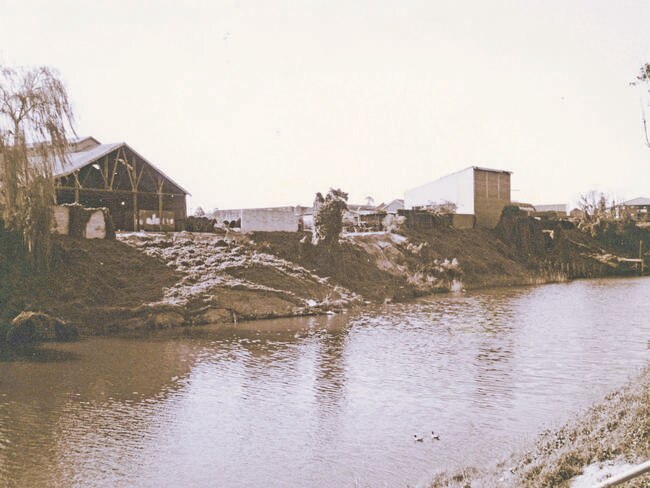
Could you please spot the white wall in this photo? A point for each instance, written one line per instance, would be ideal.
(96, 226)
(269, 219)
(274, 219)
(229, 215)
(457, 188)
(308, 222)
(61, 223)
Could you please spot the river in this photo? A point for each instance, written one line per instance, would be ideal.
(321, 401)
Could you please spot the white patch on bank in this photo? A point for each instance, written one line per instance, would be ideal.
(597, 473)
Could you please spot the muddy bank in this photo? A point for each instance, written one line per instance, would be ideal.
(219, 276)
(610, 436)
(150, 280)
(159, 281)
(415, 262)
(89, 280)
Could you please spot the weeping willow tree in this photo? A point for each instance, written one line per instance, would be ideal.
(35, 121)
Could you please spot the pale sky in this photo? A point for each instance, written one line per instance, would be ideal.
(264, 103)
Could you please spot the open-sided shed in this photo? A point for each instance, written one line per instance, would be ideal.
(138, 195)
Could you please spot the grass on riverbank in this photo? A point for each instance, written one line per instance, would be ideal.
(347, 265)
(87, 277)
(617, 429)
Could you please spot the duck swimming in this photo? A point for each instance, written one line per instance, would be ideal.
(434, 436)
(418, 438)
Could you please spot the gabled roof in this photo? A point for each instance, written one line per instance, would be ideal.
(398, 203)
(83, 140)
(637, 201)
(80, 159)
(491, 170)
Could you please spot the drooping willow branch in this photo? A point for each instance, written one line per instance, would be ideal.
(36, 120)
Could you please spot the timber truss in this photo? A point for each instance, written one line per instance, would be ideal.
(122, 174)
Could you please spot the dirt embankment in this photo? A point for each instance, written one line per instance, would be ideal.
(219, 276)
(521, 251)
(382, 266)
(89, 281)
(348, 264)
(166, 280)
(161, 280)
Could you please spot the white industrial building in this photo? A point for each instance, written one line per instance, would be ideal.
(482, 192)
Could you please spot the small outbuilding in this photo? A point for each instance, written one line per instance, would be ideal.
(637, 208)
(138, 195)
(393, 206)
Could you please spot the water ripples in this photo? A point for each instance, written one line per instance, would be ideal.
(321, 401)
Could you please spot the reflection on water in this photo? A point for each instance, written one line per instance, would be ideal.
(324, 401)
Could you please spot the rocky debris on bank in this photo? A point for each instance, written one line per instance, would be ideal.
(34, 327)
(407, 258)
(226, 280)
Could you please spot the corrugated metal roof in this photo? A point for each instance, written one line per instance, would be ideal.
(638, 201)
(77, 160)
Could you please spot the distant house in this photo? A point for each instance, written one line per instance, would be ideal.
(359, 218)
(560, 209)
(482, 192)
(577, 214)
(137, 194)
(637, 208)
(392, 207)
(354, 209)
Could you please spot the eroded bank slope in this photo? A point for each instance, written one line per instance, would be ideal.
(414, 262)
(150, 280)
(219, 277)
(161, 280)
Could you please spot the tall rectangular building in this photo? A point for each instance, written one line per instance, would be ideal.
(482, 192)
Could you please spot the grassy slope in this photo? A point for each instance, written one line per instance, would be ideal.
(87, 276)
(347, 265)
(484, 259)
(101, 285)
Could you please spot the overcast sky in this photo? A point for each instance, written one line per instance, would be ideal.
(264, 103)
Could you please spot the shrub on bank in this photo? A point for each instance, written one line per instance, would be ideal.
(33, 327)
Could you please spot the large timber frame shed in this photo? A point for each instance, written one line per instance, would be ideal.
(138, 195)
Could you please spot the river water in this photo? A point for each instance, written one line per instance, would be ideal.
(321, 401)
